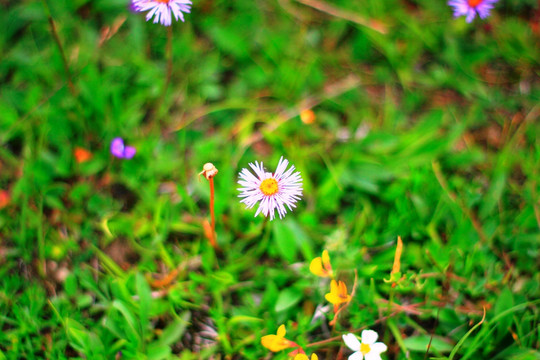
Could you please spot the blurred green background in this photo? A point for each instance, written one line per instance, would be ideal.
(428, 131)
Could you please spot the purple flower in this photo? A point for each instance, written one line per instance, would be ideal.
(121, 151)
(470, 8)
(272, 191)
(161, 9)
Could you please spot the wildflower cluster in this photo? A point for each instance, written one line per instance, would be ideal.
(163, 10)
(366, 347)
(338, 295)
(274, 191)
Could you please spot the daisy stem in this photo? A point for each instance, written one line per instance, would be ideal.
(60, 47)
(168, 55)
(213, 238)
(264, 224)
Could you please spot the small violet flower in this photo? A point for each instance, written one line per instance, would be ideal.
(121, 151)
(470, 8)
(321, 266)
(161, 10)
(368, 348)
(271, 190)
(277, 342)
(338, 293)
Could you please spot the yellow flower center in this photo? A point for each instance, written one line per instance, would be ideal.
(269, 187)
(364, 349)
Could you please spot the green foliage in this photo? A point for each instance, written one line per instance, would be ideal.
(429, 131)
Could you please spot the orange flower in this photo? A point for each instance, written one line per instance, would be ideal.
(81, 155)
(307, 116)
(4, 199)
(338, 293)
(277, 342)
(321, 266)
(397, 256)
(304, 357)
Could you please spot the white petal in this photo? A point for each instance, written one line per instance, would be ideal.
(151, 13)
(246, 175)
(282, 165)
(352, 342)
(471, 13)
(258, 168)
(356, 356)
(373, 356)
(378, 348)
(369, 337)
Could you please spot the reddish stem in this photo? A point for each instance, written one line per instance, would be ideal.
(213, 238)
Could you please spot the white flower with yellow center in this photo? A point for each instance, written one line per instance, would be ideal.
(271, 190)
(368, 348)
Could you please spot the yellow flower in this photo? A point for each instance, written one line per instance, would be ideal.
(277, 342)
(338, 293)
(321, 266)
(304, 357)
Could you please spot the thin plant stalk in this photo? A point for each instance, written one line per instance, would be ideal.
(60, 47)
(339, 337)
(432, 334)
(168, 55)
(209, 171)
(213, 238)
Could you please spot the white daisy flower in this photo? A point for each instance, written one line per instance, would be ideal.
(272, 190)
(368, 348)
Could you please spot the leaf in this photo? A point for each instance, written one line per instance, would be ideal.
(174, 331)
(301, 239)
(494, 193)
(70, 284)
(284, 239)
(129, 318)
(83, 340)
(78, 338)
(158, 352)
(462, 340)
(504, 301)
(145, 299)
(287, 298)
(243, 319)
(420, 343)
